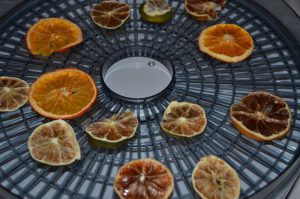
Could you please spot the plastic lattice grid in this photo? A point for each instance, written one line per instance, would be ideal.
(198, 79)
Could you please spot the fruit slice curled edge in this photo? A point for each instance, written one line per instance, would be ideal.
(156, 11)
(184, 119)
(213, 178)
(52, 35)
(54, 143)
(226, 42)
(144, 178)
(13, 93)
(63, 94)
(261, 116)
(110, 14)
(115, 129)
(204, 10)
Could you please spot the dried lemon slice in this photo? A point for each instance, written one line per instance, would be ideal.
(145, 178)
(213, 178)
(184, 119)
(54, 143)
(13, 93)
(261, 116)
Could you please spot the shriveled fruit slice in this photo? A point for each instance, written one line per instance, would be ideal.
(226, 42)
(156, 11)
(115, 129)
(261, 116)
(54, 143)
(52, 35)
(13, 93)
(110, 14)
(184, 119)
(63, 94)
(204, 10)
(144, 178)
(213, 178)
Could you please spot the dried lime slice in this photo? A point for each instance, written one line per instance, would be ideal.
(54, 143)
(110, 132)
(13, 93)
(156, 11)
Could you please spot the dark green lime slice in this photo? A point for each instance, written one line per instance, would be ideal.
(156, 18)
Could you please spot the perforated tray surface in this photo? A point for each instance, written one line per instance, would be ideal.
(198, 79)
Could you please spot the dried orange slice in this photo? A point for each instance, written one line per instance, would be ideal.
(63, 94)
(110, 14)
(54, 143)
(52, 35)
(184, 119)
(261, 116)
(226, 42)
(115, 129)
(13, 93)
(144, 178)
(213, 178)
(204, 10)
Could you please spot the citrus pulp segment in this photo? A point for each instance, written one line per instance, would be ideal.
(115, 129)
(110, 14)
(63, 94)
(204, 10)
(51, 35)
(13, 93)
(54, 143)
(213, 178)
(184, 119)
(144, 178)
(226, 42)
(261, 116)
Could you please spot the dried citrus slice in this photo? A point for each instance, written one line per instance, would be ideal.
(213, 178)
(144, 178)
(54, 143)
(184, 119)
(115, 129)
(226, 42)
(261, 116)
(156, 11)
(63, 94)
(52, 35)
(110, 14)
(13, 93)
(204, 10)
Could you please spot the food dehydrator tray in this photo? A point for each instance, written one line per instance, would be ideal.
(273, 67)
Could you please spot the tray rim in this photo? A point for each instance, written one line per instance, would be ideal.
(288, 172)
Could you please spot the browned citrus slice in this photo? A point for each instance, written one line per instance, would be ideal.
(52, 35)
(144, 178)
(204, 10)
(117, 128)
(13, 93)
(226, 42)
(63, 94)
(184, 119)
(213, 178)
(261, 116)
(54, 143)
(110, 14)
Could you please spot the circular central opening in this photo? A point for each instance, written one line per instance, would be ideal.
(138, 77)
